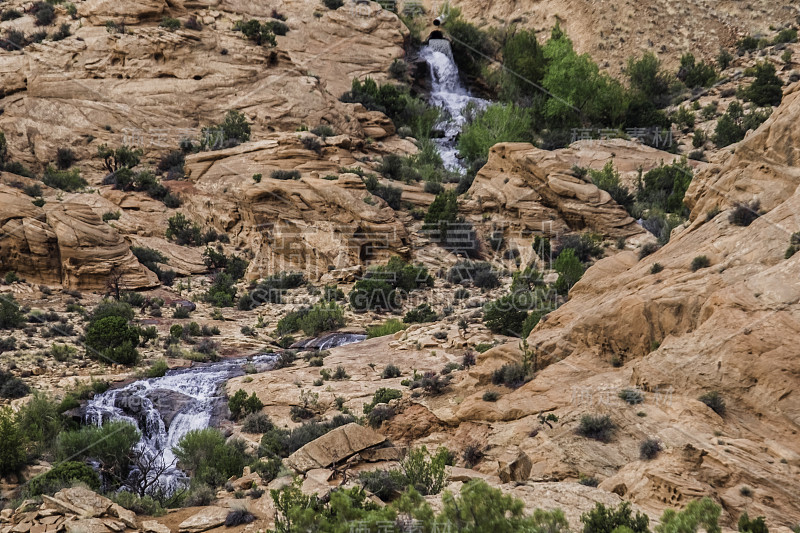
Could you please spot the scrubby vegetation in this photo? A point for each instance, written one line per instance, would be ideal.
(384, 286)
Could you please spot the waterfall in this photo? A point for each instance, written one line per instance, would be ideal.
(448, 93)
(165, 409)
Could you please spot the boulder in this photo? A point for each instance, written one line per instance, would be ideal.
(514, 467)
(334, 447)
(86, 525)
(125, 516)
(207, 518)
(151, 526)
(89, 503)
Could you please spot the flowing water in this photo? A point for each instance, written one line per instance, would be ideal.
(167, 408)
(448, 93)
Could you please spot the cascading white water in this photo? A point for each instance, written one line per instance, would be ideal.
(167, 408)
(448, 93)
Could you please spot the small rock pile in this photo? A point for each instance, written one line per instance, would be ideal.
(73, 510)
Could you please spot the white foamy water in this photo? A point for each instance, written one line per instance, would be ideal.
(192, 395)
(448, 93)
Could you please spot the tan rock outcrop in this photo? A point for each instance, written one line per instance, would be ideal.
(334, 447)
(64, 243)
(206, 518)
(528, 190)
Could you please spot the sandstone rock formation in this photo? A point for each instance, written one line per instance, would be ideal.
(64, 243)
(529, 190)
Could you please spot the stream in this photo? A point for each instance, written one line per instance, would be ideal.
(167, 408)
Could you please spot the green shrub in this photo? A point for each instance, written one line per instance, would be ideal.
(382, 395)
(378, 289)
(390, 327)
(695, 74)
(698, 514)
(491, 396)
(701, 261)
(66, 180)
(170, 23)
(647, 76)
(470, 45)
(281, 442)
(391, 371)
(333, 4)
(397, 103)
(597, 427)
(665, 186)
(290, 322)
(479, 272)
(631, 396)
(110, 444)
(10, 315)
(257, 423)
(569, 268)
(767, 88)
(112, 340)
(744, 214)
(507, 314)
(495, 124)
(40, 422)
(649, 449)
(44, 13)
(608, 180)
(715, 401)
(322, 317)
(241, 404)
(757, 525)
(63, 475)
(259, 33)
(604, 519)
(183, 231)
(511, 375)
(277, 27)
(12, 453)
(425, 472)
(222, 291)
(285, 175)
(420, 314)
(232, 131)
(209, 458)
(143, 505)
(332, 293)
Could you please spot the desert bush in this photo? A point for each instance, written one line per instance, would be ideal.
(65, 157)
(390, 327)
(425, 472)
(479, 272)
(701, 261)
(491, 396)
(569, 268)
(767, 88)
(237, 517)
(420, 314)
(631, 396)
(744, 214)
(382, 483)
(379, 414)
(649, 449)
(232, 131)
(257, 423)
(211, 460)
(12, 453)
(391, 371)
(285, 175)
(66, 180)
(170, 23)
(602, 519)
(240, 404)
(112, 340)
(281, 443)
(44, 13)
(715, 401)
(322, 317)
(382, 396)
(597, 427)
(110, 444)
(333, 4)
(63, 475)
(511, 375)
(10, 315)
(143, 505)
(695, 74)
